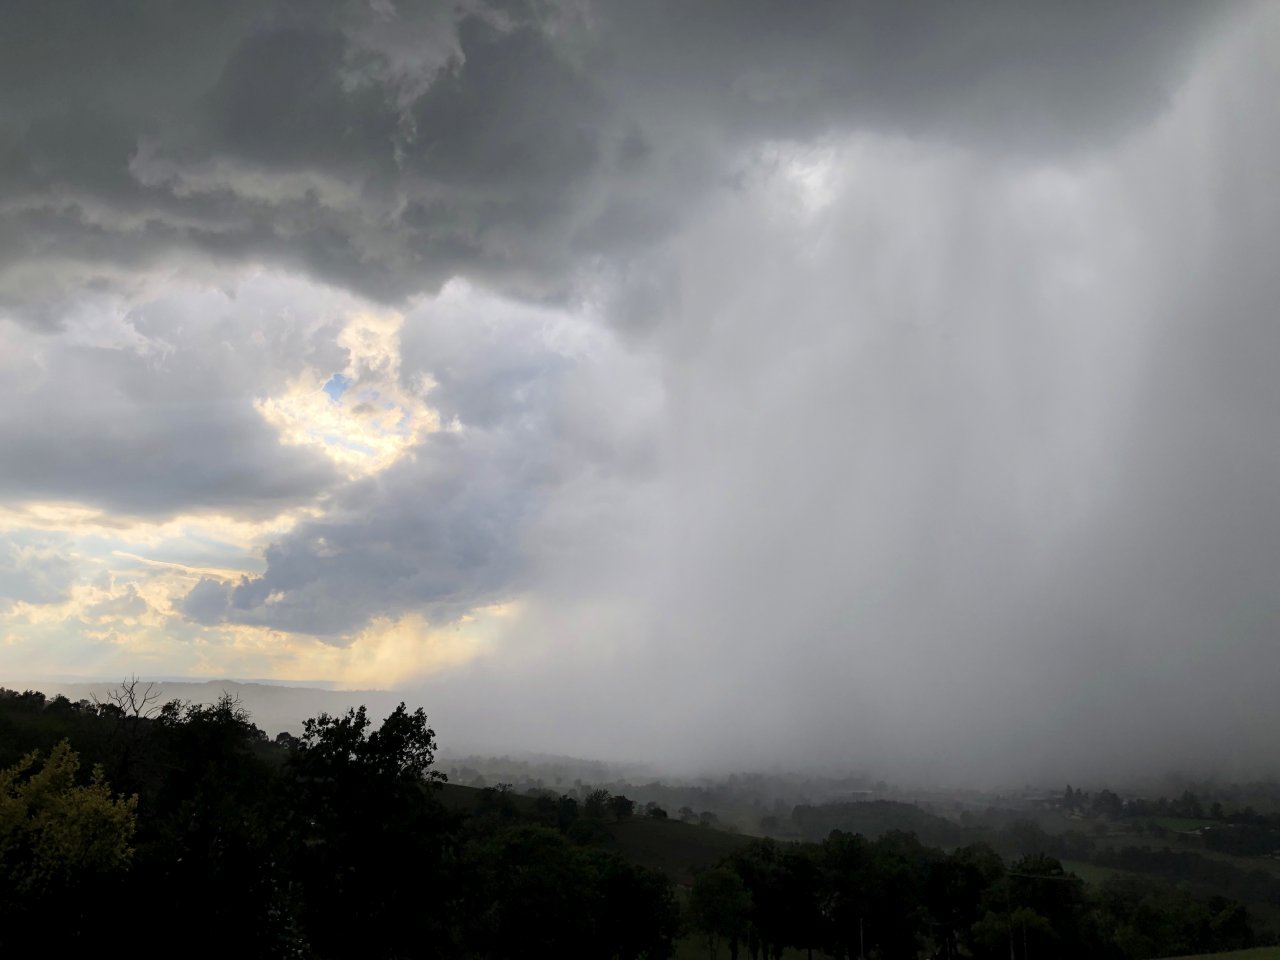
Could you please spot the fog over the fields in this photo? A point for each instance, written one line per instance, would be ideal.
(723, 384)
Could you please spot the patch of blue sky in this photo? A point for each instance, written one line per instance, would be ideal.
(210, 552)
(346, 443)
(122, 554)
(336, 386)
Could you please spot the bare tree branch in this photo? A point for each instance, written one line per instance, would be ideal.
(133, 699)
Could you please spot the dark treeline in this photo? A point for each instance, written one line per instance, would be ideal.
(895, 897)
(874, 817)
(1236, 827)
(1220, 804)
(128, 826)
(334, 844)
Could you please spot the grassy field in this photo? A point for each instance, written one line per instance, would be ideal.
(1090, 873)
(1180, 824)
(1257, 953)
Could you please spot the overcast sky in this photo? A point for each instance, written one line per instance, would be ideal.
(716, 384)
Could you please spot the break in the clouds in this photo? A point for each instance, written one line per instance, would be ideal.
(860, 383)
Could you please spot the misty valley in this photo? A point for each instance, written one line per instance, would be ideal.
(127, 821)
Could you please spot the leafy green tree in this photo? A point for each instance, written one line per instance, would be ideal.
(528, 892)
(59, 842)
(1146, 918)
(955, 892)
(720, 907)
(1040, 885)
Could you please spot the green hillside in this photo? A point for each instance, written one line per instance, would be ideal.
(676, 849)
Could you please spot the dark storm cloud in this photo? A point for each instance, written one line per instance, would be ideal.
(525, 139)
(281, 101)
(1034, 76)
(291, 140)
(438, 534)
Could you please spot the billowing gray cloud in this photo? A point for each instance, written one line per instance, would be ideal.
(967, 477)
(521, 141)
(128, 604)
(899, 392)
(150, 410)
(440, 534)
(445, 529)
(1028, 76)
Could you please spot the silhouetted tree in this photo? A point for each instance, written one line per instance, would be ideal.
(362, 812)
(209, 849)
(596, 805)
(621, 807)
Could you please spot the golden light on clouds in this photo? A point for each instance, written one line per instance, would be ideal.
(82, 520)
(191, 570)
(390, 651)
(362, 418)
(132, 627)
(124, 600)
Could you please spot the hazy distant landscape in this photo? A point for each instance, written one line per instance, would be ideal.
(273, 838)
